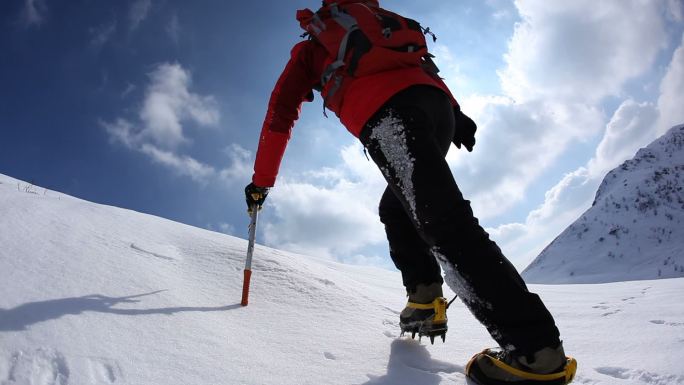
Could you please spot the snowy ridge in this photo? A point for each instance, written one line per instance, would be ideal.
(92, 294)
(634, 229)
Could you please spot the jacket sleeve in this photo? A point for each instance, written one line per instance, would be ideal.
(293, 87)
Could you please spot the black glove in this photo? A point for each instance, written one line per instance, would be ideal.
(255, 196)
(464, 134)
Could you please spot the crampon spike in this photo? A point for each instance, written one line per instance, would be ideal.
(443, 337)
(432, 340)
(413, 335)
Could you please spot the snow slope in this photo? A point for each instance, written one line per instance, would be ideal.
(634, 229)
(91, 294)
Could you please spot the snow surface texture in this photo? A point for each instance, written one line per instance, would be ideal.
(634, 229)
(92, 294)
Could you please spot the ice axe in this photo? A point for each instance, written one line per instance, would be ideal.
(254, 213)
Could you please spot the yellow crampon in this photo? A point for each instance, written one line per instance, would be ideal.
(434, 323)
(566, 375)
(439, 305)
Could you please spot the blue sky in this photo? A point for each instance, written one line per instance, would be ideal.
(156, 106)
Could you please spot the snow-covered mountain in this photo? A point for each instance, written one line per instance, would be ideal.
(634, 229)
(92, 294)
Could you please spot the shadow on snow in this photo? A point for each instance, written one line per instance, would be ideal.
(410, 363)
(23, 316)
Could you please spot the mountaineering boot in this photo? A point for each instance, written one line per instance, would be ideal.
(425, 312)
(548, 366)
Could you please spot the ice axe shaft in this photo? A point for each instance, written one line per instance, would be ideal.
(250, 251)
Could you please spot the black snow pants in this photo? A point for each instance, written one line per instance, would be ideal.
(429, 223)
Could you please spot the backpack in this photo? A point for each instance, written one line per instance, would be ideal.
(363, 39)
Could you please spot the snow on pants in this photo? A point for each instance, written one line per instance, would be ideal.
(427, 221)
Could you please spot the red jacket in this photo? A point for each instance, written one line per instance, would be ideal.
(362, 98)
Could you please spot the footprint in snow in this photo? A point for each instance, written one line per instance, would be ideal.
(329, 356)
(326, 282)
(393, 325)
(39, 367)
(642, 376)
(389, 322)
(662, 322)
(104, 370)
(611, 312)
(389, 334)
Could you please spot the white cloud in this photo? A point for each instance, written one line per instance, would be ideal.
(671, 91)
(240, 168)
(168, 101)
(507, 233)
(516, 143)
(563, 203)
(449, 67)
(168, 104)
(368, 260)
(138, 13)
(121, 131)
(582, 49)
(336, 220)
(227, 228)
(182, 164)
(563, 60)
(501, 9)
(565, 197)
(34, 12)
(631, 127)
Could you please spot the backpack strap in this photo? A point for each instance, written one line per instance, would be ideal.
(317, 24)
(349, 23)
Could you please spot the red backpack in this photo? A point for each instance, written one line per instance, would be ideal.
(363, 39)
